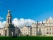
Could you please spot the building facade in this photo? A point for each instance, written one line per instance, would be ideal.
(41, 29)
(26, 30)
(44, 28)
(9, 29)
(37, 29)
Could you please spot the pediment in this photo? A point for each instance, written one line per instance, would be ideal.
(49, 20)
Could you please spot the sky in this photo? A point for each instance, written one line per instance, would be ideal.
(36, 10)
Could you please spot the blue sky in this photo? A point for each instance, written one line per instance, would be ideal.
(37, 10)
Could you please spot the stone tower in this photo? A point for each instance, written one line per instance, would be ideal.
(9, 18)
(9, 29)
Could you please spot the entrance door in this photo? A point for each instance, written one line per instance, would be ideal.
(5, 32)
(12, 33)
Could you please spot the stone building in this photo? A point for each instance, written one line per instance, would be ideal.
(37, 29)
(26, 30)
(44, 28)
(9, 29)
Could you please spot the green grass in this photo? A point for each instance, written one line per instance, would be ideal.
(28, 38)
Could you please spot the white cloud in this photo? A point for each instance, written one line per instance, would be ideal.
(2, 24)
(1, 18)
(21, 22)
(18, 22)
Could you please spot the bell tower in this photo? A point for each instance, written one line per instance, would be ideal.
(9, 29)
(9, 17)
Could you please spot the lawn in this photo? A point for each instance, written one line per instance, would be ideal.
(28, 38)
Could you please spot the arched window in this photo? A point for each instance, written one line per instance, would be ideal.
(8, 20)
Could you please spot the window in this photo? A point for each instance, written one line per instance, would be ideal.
(0, 34)
(24, 30)
(50, 28)
(47, 32)
(8, 20)
(24, 33)
(47, 29)
(5, 32)
(50, 33)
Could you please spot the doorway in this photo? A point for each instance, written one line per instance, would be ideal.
(5, 32)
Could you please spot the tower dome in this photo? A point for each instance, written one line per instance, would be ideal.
(9, 14)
